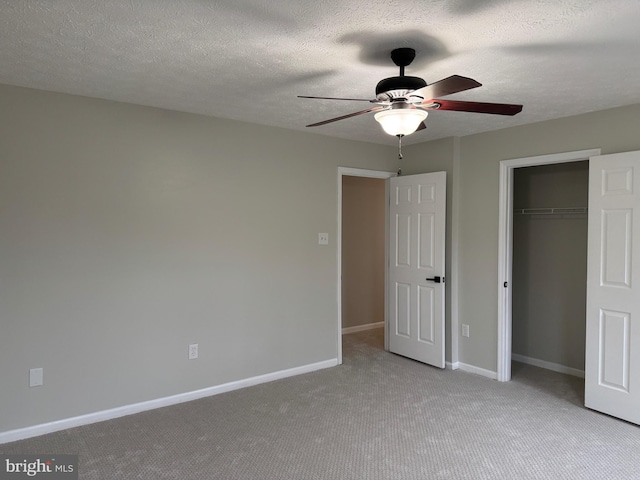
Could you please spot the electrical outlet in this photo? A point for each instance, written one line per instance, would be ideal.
(193, 351)
(36, 377)
(323, 239)
(465, 330)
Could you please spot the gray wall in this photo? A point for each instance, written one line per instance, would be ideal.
(363, 250)
(550, 264)
(130, 232)
(614, 130)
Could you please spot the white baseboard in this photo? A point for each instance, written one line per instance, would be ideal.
(556, 367)
(36, 430)
(361, 328)
(478, 371)
(452, 366)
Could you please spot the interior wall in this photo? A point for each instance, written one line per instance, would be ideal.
(130, 232)
(550, 264)
(479, 156)
(363, 250)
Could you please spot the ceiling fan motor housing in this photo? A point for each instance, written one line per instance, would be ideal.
(398, 87)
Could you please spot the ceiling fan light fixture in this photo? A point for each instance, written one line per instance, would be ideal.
(400, 121)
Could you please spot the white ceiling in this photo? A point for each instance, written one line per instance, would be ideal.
(249, 59)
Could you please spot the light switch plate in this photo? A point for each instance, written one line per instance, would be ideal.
(323, 239)
(36, 377)
(465, 330)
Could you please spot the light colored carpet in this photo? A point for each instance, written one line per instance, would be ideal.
(378, 416)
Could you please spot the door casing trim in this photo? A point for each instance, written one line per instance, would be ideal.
(505, 245)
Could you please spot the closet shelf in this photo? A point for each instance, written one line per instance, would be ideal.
(551, 211)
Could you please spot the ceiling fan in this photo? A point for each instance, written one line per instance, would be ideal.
(402, 102)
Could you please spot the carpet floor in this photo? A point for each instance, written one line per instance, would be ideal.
(377, 416)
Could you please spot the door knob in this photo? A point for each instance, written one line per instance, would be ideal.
(436, 279)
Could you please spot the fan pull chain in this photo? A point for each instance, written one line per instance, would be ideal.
(399, 151)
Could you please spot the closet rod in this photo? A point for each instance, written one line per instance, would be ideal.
(551, 211)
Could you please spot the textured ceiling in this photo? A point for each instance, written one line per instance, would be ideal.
(248, 59)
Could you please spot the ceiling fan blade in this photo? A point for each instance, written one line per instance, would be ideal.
(421, 126)
(446, 86)
(477, 107)
(334, 98)
(372, 109)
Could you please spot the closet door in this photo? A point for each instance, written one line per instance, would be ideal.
(612, 369)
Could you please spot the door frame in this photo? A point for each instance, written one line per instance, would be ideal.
(358, 172)
(505, 246)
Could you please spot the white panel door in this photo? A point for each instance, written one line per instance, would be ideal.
(612, 368)
(416, 272)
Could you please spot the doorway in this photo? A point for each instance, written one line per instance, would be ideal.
(362, 250)
(505, 247)
(363, 233)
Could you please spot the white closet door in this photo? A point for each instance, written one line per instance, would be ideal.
(612, 369)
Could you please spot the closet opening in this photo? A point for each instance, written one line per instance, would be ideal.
(549, 266)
